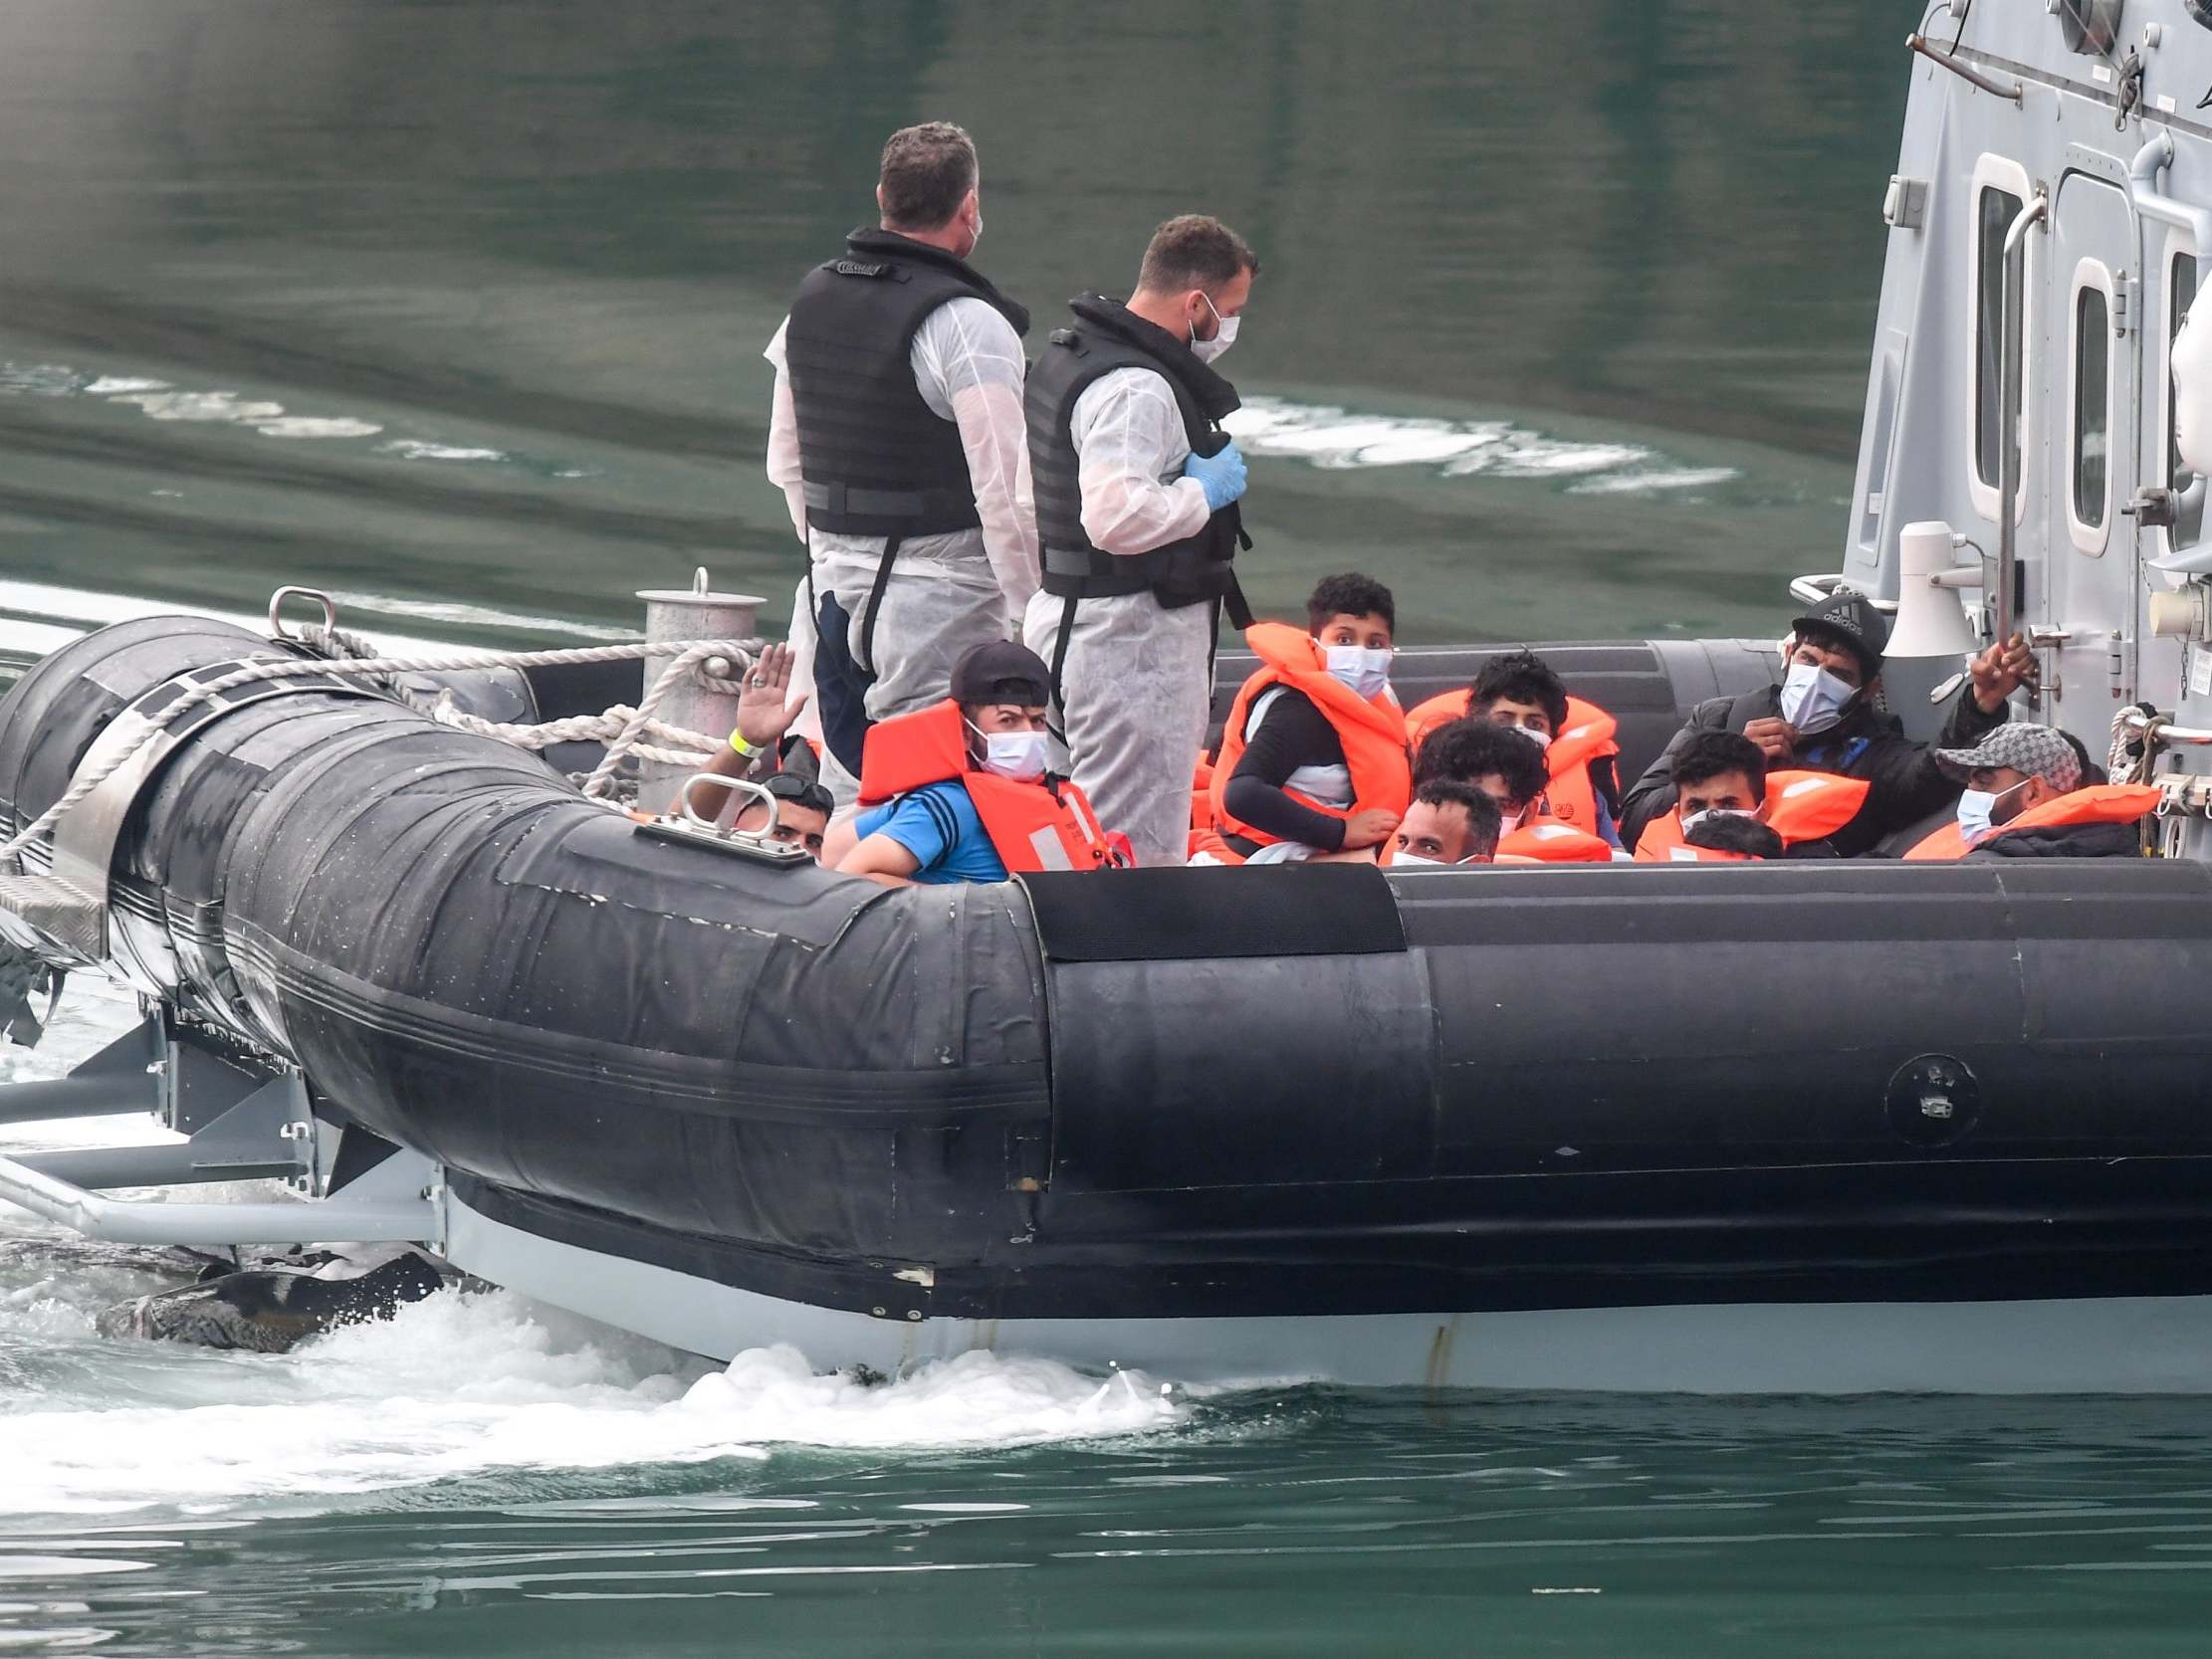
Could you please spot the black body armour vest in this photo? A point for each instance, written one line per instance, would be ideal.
(1106, 336)
(877, 459)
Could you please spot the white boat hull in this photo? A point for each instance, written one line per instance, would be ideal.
(2149, 1344)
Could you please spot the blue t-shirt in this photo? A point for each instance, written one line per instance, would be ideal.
(938, 824)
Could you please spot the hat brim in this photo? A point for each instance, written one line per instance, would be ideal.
(1958, 762)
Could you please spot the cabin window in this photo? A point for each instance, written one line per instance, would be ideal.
(2093, 399)
(1995, 211)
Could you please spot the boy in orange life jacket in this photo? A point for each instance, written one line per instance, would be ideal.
(1721, 785)
(1520, 692)
(1448, 824)
(962, 786)
(1291, 781)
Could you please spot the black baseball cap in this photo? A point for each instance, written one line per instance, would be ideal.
(1853, 622)
(1002, 672)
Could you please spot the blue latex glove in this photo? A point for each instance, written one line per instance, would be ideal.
(1221, 476)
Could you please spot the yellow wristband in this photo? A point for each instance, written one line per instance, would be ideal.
(740, 745)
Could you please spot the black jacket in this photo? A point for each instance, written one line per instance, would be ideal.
(2065, 841)
(1907, 785)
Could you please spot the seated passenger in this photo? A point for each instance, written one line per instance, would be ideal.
(1313, 753)
(1520, 691)
(1721, 778)
(2025, 798)
(1511, 770)
(1823, 717)
(802, 808)
(1449, 825)
(957, 792)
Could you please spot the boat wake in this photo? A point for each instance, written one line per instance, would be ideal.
(464, 1385)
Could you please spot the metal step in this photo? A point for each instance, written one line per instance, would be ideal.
(59, 909)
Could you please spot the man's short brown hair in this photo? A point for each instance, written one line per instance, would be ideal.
(1195, 249)
(927, 170)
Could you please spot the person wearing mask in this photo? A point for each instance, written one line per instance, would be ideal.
(1509, 769)
(2025, 797)
(1137, 492)
(1520, 691)
(896, 435)
(957, 791)
(1826, 716)
(1722, 785)
(1447, 826)
(1313, 752)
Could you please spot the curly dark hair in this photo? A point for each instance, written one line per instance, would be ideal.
(1706, 756)
(1350, 594)
(1483, 819)
(927, 172)
(1523, 677)
(1469, 749)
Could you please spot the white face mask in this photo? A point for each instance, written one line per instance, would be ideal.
(1691, 820)
(1019, 756)
(1366, 672)
(1225, 337)
(1813, 700)
(1975, 807)
(1402, 860)
(1542, 739)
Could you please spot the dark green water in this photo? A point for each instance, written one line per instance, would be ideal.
(457, 309)
(1312, 1522)
(1637, 240)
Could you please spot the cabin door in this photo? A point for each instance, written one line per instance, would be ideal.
(2089, 342)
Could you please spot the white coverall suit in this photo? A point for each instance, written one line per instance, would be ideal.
(1137, 681)
(946, 592)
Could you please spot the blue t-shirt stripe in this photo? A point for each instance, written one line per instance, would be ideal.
(938, 825)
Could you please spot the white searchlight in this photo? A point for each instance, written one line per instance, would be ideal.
(1931, 620)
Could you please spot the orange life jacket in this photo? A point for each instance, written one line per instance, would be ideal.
(1372, 731)
(1587, 735)
(1800, 806)
(1547, 841)
(2099, 803)
(1031, 827)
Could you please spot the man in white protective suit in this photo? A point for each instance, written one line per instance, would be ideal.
(1137, 489)
(896, 435)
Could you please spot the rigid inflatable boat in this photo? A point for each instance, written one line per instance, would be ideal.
(1793, 1124)
(1788, 1126)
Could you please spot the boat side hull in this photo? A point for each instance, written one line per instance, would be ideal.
(2093, 1345)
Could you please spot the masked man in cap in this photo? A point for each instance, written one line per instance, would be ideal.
(1823, 718)
(2027, 797)
(957, 791)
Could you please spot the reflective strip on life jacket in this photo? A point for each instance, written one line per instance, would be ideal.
(1031, 828)
(1372, 731)
(1800, 806)
(1548, 841)
(2099, 803)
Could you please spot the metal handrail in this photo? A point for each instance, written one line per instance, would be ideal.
(2147, 724)
(2005, 600)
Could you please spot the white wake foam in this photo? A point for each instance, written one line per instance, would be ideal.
(469, 1384)
(1330, 436)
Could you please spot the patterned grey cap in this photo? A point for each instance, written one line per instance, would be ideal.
(2035, 749)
